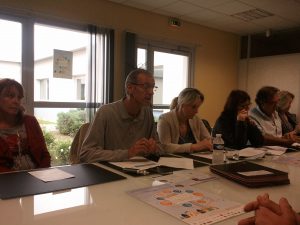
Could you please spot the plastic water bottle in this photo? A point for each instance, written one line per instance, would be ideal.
(218, 149)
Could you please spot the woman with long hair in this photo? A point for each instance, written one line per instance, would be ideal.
(288, 120)
(234, 123)
(22, 145)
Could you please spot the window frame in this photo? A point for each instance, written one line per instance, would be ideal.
(27, 64)
(167, 47)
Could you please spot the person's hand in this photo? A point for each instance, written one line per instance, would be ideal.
(265, 216)
(291, 135)
(266, 208)
(142, 147)
(205, 144)
(252, 206)
(242, 115)
(152, 147)
(288, 141)
(297, 139)
(250, 121)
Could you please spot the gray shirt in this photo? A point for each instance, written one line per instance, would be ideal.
(113, 131)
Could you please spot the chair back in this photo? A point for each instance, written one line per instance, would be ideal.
(207, 125)
(77, 143)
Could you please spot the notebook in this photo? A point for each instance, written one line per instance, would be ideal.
(251, 174)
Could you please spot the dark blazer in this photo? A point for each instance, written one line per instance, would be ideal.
(237, 133)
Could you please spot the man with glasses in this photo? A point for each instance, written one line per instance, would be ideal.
(125, 128)
(267, 119)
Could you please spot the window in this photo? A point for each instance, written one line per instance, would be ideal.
(171, 75)
(70, 43)
(10, 49)
(142, 58)
(80, 88)
(43, 86)
(171, 66)
(65, 74)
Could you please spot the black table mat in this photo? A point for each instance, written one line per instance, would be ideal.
(20, 184)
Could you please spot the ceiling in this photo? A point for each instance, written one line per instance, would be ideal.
(237, 16)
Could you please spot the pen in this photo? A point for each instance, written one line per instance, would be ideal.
(132, 170)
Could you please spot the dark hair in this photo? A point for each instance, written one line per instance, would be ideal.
(6, 85)
(186, 96)
(265, 94)
(133, 75)
(234, 100)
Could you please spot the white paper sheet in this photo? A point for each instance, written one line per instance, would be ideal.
(255, 173)
(188, 204)
(296, 144)
(51, 174)
(251, 152)
(185, 177)
(136, 164)
(275, 150)
(203, 155)
(184, 163)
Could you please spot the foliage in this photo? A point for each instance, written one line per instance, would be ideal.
(49, 138)
(58, 144)
(68, 123)
(60, 152)
(58, 147)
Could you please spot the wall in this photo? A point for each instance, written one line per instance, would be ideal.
(216, 52)
(281, 71)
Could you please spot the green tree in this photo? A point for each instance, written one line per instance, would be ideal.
(68, 123)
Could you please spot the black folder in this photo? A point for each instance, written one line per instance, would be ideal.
(236, 171)
(20, 184)
(162, 170)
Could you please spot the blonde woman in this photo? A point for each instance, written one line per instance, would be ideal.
(288, 120)
(181, 130)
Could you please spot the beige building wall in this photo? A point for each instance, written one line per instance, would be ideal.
(216, 52)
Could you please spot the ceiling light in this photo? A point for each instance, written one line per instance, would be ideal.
(268, 33)
(252, 14)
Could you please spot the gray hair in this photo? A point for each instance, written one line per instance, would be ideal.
(186, 96)
(284, 98)
(133, 75)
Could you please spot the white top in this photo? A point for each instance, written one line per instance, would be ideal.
(168, 132)
(266, 124)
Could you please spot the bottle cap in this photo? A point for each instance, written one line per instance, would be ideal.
(218, 135)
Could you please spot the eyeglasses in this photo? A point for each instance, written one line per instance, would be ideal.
(271, 102)
(147, 86)
(245, 106)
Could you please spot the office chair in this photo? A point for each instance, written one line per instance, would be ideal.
(77, 143)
